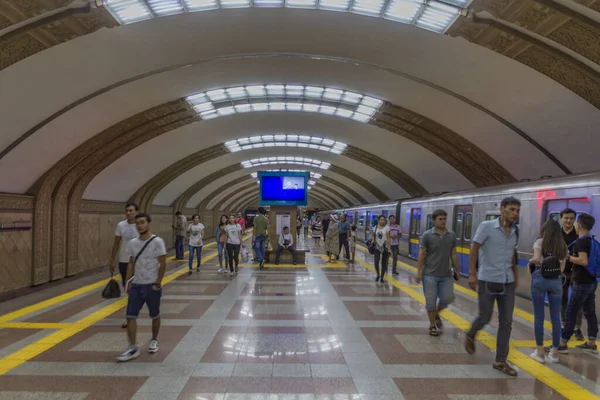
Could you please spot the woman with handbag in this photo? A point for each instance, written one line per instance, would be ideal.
(381, 239)
(546, 267)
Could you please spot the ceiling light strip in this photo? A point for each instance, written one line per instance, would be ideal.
(258, 162)
(433, 15)
(286, 140)
(253, 98)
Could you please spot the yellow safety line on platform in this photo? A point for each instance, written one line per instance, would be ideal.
(33, 325)
(528, 343)
(539, 371)
(33, 350)
(63, 297)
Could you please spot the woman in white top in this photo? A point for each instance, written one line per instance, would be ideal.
(546, 267)
(381, 237)
(234, 242)
(195, 231)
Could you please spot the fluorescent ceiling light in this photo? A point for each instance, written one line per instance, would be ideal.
(313, 175)
(285, 140)
(253, 98)
(425, 14)
(258, 162)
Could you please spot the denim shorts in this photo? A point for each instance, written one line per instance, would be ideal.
(435, 288)
(140, 295)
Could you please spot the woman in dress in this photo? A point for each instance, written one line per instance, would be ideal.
(195, 231)
(221, 236)
(332, 239)
(381, 237)
(550, 250)
(316, 231)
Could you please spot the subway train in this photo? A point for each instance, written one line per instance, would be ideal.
(541, 200)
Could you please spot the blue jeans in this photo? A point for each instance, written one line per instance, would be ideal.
(259, 246)
(222, 250)
(539, 287)
(198, 250)
(582, 296)
(435, 289)
(179, 247)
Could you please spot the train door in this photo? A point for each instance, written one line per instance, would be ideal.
(554, 207)
(463, 228)
(415, 232)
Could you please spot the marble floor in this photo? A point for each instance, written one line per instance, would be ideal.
(318, 331)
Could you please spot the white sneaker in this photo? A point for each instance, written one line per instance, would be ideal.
(129, 354)
(153, 347)
(537, 357)
(552, 357)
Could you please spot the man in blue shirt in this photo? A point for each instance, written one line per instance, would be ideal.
(494, 246)
(343, 230)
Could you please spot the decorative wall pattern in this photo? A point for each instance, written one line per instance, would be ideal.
(15, 251)
(546, 18)
(32, 41)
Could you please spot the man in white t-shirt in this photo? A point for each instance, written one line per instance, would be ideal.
(286, 242)
(126, 231)
(146, 269)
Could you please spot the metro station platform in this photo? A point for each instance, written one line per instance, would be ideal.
(320, 331)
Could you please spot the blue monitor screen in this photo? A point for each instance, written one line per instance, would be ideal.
(283, 188)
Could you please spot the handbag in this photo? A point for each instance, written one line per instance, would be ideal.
(112, 290)
(371, 247)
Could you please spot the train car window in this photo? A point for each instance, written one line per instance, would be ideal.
(468, 226)
(491, 217)
(458, 225)
(555, 216)
(429, 222)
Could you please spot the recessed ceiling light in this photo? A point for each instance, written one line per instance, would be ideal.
(433, 15)
(286, 140)
(253, 98)
(258, 162)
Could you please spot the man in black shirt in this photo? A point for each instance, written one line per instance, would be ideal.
(584, 288)
(567, 219)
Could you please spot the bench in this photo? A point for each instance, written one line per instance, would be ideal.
(286, 256)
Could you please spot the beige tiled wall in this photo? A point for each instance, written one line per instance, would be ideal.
(97, 233)
(15, 254)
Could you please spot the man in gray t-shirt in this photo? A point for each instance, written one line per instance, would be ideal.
(438, 246)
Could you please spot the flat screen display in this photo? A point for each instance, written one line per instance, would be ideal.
(283, 188)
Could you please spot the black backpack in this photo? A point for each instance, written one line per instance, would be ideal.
(550, 267)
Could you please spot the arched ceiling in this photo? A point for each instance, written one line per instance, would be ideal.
(106, 114)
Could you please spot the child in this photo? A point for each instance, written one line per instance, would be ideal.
(352, 242)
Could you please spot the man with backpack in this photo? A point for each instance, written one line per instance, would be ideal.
(146, 269)
(586, 270)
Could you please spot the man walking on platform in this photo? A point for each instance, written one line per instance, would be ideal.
(344, 230)
(395, 233)
(146, 269)
(259, 235)
(438, 246)
(494, 247)
(126, 231)
(179, 228)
